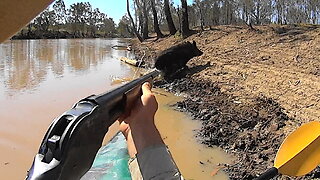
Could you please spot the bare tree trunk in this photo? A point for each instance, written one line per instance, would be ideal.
(314, 17)
(258, 13)
(137, 16)
(133, 26)
(279, 11)
(216, 14)
(179, 17)
(199, 5)
(140, 16)
(201, 20)
(171, 26)
(185, 31)
(145, 31)
(155, 20)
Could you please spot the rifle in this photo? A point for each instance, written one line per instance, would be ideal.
(71, 143)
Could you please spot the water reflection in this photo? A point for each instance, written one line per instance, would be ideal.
(25, 64)
(39, 80)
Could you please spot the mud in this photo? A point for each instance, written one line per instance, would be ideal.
(251, 131)
(248, 101)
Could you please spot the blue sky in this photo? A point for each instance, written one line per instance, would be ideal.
(113, 8)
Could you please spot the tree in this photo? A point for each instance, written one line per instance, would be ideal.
(44, 20)
(60, 11)
(123, 29)
(79, 16)
(297, 12)
(108, 26)
(228, 10)
(171, 26)
(82, 20)
(93, 20)
(280, 11)
(139, 15)
(200, 7)
(155, 20)
(132, 22)
(313, 6)
(185, 31)
(215, 13)
(79, 20)
(145, 30)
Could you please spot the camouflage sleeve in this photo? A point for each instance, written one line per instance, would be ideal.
(154, 163)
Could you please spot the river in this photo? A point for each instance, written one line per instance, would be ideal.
(40, 79)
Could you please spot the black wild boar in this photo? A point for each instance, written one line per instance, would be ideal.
(176, 57)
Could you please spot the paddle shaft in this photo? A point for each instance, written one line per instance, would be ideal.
(270, 173)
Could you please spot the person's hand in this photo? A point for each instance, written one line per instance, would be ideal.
(138, 127)
(143, 111)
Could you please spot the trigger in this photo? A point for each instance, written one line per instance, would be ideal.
(52, 145)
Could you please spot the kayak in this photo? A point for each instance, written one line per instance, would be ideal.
(111, 161)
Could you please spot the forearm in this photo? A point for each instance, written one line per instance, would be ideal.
(145, 135)
(151, 158)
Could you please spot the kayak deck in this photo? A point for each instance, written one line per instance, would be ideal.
(111, 161)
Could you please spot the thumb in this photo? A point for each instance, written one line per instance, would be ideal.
(146, 88)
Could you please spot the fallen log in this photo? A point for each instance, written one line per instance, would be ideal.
(131, 61)
(117, 47)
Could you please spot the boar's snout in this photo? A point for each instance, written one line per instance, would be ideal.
(196, 51)
(199, 53)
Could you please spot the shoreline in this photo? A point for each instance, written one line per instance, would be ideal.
(56, 35)
(249, 125)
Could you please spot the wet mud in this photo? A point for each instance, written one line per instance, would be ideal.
(252, 131)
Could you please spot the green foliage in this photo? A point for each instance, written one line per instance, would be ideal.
(44, 20)
(178, 35)
(123, 29)
(80, 20)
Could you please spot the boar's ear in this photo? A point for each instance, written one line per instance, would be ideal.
(194, 43)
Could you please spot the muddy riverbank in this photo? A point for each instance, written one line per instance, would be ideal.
(250, 89)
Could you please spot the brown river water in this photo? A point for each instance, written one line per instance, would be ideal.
(40, 79)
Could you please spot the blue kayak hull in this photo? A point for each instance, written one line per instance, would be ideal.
(111, 161)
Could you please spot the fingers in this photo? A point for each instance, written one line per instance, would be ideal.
(125, 129)
(146, 88)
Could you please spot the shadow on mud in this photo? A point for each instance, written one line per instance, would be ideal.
(182, 73)
(292, 30)
(198, 68)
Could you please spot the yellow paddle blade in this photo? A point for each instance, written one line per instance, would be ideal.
(300, 152)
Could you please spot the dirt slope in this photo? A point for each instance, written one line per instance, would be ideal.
(250, 88)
